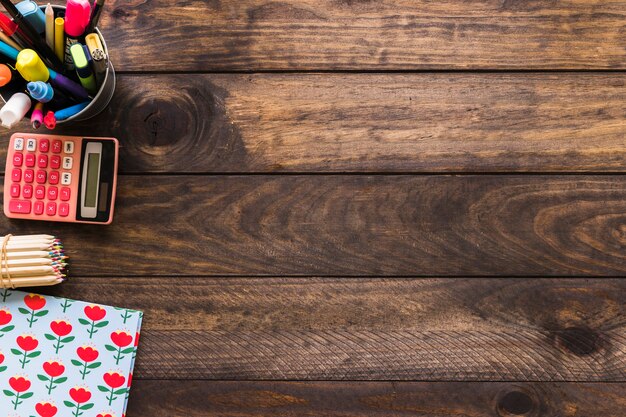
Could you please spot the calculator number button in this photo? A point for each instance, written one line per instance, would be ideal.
(42, 161)
(18, 159)
(40, 192)
(38, 207)
(55, 162)
(18, 144)
(51, 209)
(41, 177)
(68, 146)
(30, 160)
(28, 191)
(15, 190)
(19, 206)
(16, 175)
(53, 178)
(29, 175)
(68, 161)
(56, 146)
(66, 178)
(66, 193)
(31, 145)
(53, 193)
(64, 209)
(44, 145)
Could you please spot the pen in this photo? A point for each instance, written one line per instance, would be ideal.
(98, 56)
(9, 28)
(70, 111)
(82, 68)
(59, 38)
(50, 26)
(4, 38)
(36, 118)
(32, 34)
(50, 120)
(77, 14)
(95, 15)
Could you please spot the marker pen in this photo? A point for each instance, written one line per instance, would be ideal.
(83, 69)
(77, 14)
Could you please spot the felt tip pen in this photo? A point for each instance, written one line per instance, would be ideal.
(77, 13)
(95, 15)
(83, 69)
(36, 118)
(9, 27)
(70, 111)
(40, 91)
(32, 34)
(4, 38)
(59, 38)
(50, 26)
(50, 120)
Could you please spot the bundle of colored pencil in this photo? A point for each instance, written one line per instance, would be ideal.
(32, 260)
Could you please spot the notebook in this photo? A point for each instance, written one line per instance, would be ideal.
(65, 358)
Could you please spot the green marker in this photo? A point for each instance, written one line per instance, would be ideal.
(83, 69)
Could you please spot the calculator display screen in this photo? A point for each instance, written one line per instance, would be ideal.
(93, 169)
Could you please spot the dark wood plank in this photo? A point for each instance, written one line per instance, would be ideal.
(451, 399)
(372, 329)
(162, 35)
(367, 123)
(355, 225)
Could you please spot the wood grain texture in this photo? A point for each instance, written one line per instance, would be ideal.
(372, 329)
(196, 35)
(355, 225)
(367, 123)
(334, 399)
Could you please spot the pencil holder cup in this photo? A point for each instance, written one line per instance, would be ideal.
(105, 93)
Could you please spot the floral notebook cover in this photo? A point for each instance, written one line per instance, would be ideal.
(64, 358)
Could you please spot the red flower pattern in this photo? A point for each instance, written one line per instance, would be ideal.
(95, 313)
(121, 338)
(34, 301)
(80, 395)
(114, 379)
(1, 358)
(105, 415)
(19, 383)
(53, 368)
(87, 353)
(61, 327)
(5, 317)
(27, 343)
(46, 409)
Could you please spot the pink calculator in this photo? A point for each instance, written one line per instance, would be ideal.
(61, 178)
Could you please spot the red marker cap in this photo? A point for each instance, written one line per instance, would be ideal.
(77, 14)
(50, 120)
(7, 25)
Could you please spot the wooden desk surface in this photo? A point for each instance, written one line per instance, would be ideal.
(338, 208)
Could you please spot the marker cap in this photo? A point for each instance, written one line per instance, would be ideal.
(40, 91)
(5, 75)
(77, 15)
(31, 67)
(15, 109)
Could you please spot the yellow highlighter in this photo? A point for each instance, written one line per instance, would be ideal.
(83, 69)
(59, 38)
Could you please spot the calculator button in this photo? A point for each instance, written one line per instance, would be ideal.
(53, 193)
(68, 161)
(66, 178)
(30, 160)
(15, 190)
(55, 162)
(66, 193)
(28, 191)
(29, 175)
(40, 192)
(38, 207)
(42, 161)
(18, 144)
(41, 177)
(56, 146)
(18, 158)
(16, 175)
(53, 178)
(51, 209)
(64, 209)
(68, 146)
(19, 206)
(44, 145)
(31, 145)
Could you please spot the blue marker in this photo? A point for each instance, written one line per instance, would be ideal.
(70, 111)
(40, 91)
